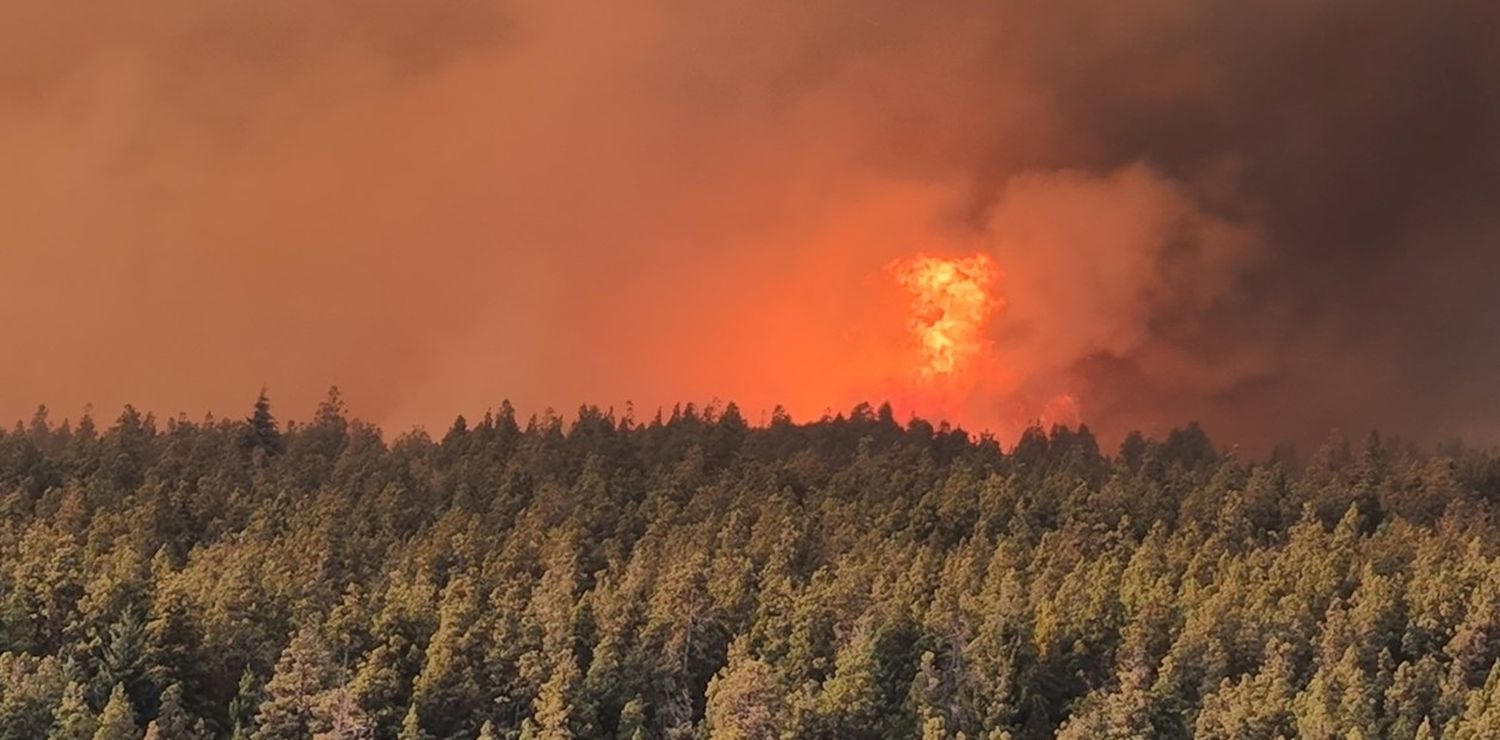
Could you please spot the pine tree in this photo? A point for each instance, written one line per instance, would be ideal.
(558, 714)
(1259, 705)
(73, 720)
(124, 661)
(243, 706)
(261, 433)
(117, 721)
(1412, 696)
(1481, 717)
(851, 701)
(304, 671)
(171, 645)
(339, 717)
(377, 687)
(1122, 714)
(172, 720)
(1424, 730)
(744, 699)
(927, 698)
(411, 726)
(446, 693)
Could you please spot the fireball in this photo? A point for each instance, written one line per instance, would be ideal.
(952, 306)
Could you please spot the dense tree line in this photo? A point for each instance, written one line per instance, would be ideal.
(697, 576)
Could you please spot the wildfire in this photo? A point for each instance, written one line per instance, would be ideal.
(951, 309)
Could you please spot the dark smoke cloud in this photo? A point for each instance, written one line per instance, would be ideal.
(1274, 217)
(1362, 141)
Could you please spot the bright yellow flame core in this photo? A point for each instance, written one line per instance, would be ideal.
(951, 309)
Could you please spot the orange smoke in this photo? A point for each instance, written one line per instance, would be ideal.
(1062, 410)
(951, 309)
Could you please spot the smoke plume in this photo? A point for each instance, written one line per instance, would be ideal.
(1273, 217)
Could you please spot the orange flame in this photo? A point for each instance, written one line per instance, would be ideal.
(951, 309)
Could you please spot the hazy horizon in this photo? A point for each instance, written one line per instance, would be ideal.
(1272, 219)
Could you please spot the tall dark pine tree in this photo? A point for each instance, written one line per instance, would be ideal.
(262, 434)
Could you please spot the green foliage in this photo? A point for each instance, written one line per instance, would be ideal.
(292, 706)
(73, 719)
(123, 662)
(261, 434)
(30, 690)
(242, 707)
(695, 576)
(172, 720)
(745, 701)
(117, 721)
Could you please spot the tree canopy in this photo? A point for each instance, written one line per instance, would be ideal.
(697, 576)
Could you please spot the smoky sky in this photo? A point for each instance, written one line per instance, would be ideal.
(1276, 217)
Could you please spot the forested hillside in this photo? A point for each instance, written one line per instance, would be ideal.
(696, 576)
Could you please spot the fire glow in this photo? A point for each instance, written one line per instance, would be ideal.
(952, 306)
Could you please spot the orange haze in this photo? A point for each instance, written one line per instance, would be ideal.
(436, 206)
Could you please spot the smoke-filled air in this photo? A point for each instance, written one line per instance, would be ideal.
(749, 369)
(1276, 218)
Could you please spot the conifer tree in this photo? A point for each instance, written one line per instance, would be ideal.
(261, 433)
(117, 721)
(124, 661)
(411, 726)
(377, 687)
(559, 711)
(243, 706)
(73, 720)
(1424, 730)
(337, 716)
(172, 719)
(1481, 717)
(744, 699)
(171, 645)
(446, 693)
(851, 703)
(304, 671)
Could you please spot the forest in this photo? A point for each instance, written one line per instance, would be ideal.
(698, 576)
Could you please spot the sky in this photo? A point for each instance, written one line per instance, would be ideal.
(1276, 218)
